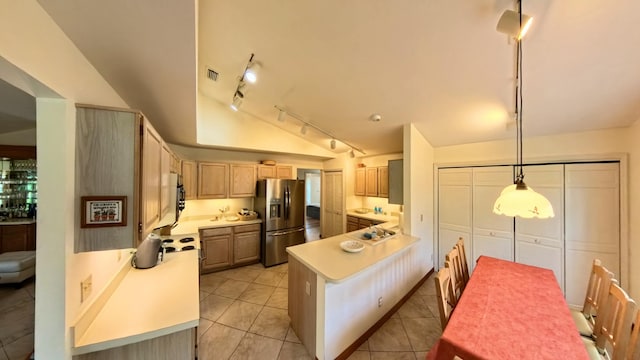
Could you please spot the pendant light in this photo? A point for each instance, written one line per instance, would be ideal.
(519, 199)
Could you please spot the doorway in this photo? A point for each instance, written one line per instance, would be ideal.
(312, 192)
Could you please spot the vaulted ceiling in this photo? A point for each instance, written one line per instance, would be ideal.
(438, 64)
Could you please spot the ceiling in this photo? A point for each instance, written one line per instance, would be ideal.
(438, 64)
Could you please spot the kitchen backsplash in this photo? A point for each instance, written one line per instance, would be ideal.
(371, 202)
(209, 207)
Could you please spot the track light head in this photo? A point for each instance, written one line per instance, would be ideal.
(281, 115)
(352, 154)
(237, 101)
(251, 73)
(303, 129)
(333, 144)
(509, 24)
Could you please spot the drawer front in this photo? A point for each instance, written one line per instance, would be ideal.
(246, 228)
(215, 231)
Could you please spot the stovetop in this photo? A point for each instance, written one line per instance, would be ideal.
(174, 243)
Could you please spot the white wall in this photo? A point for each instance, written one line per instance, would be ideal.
(218, 125)
(418, 190)
(633, 134)
(37, 57)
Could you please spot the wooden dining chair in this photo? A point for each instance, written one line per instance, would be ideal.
(596, 296)
(633, 350)
(614, 326)
(454, 262)
(444, 292)
(463, 260)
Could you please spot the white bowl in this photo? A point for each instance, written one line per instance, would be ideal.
(352, 246)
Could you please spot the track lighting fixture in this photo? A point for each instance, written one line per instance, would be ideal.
(511, 24)
(306, 125)
(247, 75)
(281, 115)
(352, 154)
(251, 73)
(237, 101)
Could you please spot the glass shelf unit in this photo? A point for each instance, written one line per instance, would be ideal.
(18, 188)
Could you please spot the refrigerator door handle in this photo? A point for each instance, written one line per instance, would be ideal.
(281, 233)
(287, 202)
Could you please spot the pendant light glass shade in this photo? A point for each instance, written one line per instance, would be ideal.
(520, 200)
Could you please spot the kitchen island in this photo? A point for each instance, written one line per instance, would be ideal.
(337, 297)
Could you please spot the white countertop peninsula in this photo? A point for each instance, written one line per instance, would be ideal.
(335, 297)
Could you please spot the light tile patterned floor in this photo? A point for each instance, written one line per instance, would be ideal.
(244, 316)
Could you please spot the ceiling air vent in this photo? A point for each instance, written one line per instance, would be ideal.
(212, 74)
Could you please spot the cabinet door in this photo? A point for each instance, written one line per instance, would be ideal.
(246, 247)
(266, 172)
(592, 216)
(151, 178)
(243, 180)
(217, 252)
(454, 211)
(165, 169)
(372, 182)
(361, 182)
(284, 172)
(189, 179)
(352, 223)
(492, 234)
(213, 180)
(14, 238)
(540, 242)
(383, 181)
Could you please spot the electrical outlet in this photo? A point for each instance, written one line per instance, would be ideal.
(308, 288)
(85, 288)
(380, 301)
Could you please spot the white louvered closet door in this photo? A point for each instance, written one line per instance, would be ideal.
(592, 223)
(540, 242)
(454, 211)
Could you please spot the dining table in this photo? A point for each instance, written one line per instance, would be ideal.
(510, 310)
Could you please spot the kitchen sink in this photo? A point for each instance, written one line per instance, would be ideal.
(381, 236)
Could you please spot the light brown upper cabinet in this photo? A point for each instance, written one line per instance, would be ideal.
(372, 181)
(275, 172)
(383, 181)
(190, 179)
(212, 180)
(242, 182)
(119, 153)
(361, 181)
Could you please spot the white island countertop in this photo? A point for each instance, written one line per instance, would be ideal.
(327, 259)
(147, 303)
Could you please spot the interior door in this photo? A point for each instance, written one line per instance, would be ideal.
(332, 221)
(454, 211)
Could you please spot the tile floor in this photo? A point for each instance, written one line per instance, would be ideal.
(17, 307)
(244, 316)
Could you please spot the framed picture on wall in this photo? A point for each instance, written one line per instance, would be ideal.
(103, 211)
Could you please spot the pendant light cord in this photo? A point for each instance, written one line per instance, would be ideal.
(520, 159)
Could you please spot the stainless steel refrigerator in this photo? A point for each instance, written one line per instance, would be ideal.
(280, 204)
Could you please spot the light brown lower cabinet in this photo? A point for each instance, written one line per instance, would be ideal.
(354, 223)
(180, 345)
(230, 246)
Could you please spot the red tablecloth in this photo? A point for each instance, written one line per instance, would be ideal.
(510, 311)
